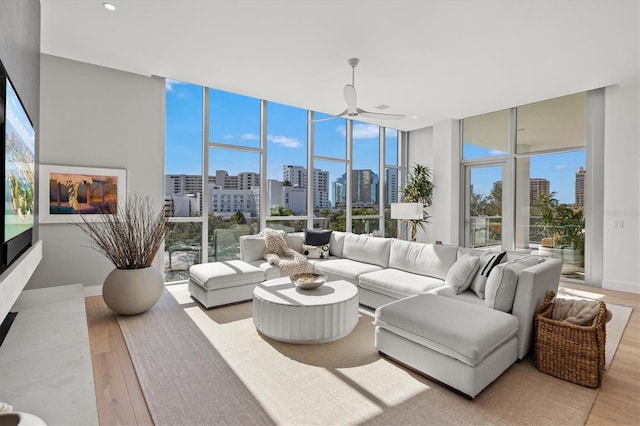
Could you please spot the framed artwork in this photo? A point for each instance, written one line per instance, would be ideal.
(66, 192)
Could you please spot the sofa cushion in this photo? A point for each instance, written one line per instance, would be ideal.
(462, 272)
(363, 248)
(317, 237)
(270, 271)
(487, 262)
(433, 260)
(397, 284)
(503, 281)
(461, 330)
(466, 296)
(336, 243)
(347, 268)
(229, 273)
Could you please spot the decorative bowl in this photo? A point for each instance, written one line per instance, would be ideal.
(308, 280)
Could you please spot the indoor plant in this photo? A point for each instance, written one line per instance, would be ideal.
(419, 189)
(129, 234)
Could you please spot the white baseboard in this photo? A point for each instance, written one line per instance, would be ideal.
(621, 286)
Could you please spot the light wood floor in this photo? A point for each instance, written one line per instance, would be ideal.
(121, 402)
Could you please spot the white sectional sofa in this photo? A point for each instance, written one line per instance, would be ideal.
(422, 321)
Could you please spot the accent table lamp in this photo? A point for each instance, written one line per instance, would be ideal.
(407, 213)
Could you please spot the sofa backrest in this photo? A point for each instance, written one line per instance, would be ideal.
(363, 248)
(336, 243)
(432, 260)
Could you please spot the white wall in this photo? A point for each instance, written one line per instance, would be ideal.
(621, 245)
(420, 151)
(100, 117)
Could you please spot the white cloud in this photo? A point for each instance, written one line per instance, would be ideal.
(362, 131)
(284, 141)
(169, 84)
(560, 167)
(228, 137)
(496, 152)
(365, 131)
(249, 136)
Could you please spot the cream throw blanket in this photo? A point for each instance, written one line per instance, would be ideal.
(278, 253)
(577, 311)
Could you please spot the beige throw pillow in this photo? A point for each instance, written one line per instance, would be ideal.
(462, 272)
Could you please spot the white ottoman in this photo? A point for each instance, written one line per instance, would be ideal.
(221, 283)
(460, 344)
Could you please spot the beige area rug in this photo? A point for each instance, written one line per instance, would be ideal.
(200, 366)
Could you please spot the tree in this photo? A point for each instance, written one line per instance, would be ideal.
(281, 211)
(286, 183)
(238, 218)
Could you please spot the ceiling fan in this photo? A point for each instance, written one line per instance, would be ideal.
(351, 99)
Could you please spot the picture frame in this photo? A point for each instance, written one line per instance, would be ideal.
(66, 192)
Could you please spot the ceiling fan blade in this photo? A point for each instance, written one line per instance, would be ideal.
(379, 115)
(350, 98)
(342, 114)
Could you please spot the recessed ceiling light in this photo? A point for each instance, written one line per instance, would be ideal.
(109, 6)
(414, 116)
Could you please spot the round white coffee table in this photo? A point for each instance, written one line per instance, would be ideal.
(288, 314)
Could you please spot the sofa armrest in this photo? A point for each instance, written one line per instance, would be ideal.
(534, 283)
(251, 247)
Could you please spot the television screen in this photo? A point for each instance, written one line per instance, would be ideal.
(19, 167)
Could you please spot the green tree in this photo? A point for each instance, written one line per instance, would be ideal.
(238, 218)
(281, 211)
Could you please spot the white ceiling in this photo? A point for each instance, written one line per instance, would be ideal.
(430, 59)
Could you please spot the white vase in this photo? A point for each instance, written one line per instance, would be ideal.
(132, 291)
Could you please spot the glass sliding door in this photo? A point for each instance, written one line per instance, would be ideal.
(483, 206)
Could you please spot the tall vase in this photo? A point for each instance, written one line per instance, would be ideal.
(132, 291)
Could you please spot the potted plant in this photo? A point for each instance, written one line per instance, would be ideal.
(419, 189)
(129, 234)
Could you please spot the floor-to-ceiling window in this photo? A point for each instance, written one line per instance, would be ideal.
(234, 156)
(235, 164)
(287, 177)
(183, 178)
(525, 173)
(550, 175)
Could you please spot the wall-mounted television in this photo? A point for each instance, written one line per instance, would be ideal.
(17, 164)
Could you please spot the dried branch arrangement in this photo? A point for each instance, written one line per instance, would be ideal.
(130, 237)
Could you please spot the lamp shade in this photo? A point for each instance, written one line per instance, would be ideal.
(406, 211)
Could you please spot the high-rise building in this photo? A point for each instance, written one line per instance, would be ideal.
(391, 186)
(297, 175)
(180, 184)
(364, 188)
(537, 187)
(580, 187)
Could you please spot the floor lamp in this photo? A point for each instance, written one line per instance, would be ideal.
(407, 213)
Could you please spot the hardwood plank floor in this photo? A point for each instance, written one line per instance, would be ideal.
(119, 396)
(121, 402)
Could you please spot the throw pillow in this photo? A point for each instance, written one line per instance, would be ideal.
(461, 273)
(487, 262)
(316, 252)
(317, 237)
(500, 289)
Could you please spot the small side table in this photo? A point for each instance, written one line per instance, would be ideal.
(285, 313)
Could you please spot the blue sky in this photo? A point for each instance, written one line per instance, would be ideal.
(234, 119)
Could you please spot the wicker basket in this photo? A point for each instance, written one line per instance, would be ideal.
(570, 352)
